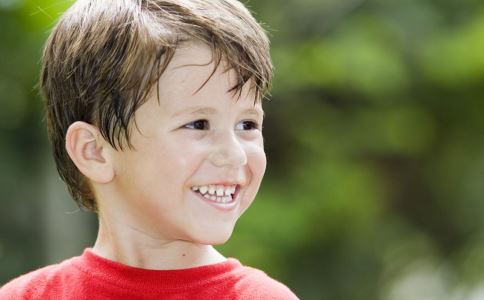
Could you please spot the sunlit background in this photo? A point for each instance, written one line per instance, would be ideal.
(374, 137)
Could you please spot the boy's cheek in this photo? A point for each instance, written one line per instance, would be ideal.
(258, 161)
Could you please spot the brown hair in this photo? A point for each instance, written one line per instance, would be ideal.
(103, 56)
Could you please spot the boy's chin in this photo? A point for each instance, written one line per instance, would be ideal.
(218, 242)
(213, 238)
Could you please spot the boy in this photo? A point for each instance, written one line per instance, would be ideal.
(154, 114)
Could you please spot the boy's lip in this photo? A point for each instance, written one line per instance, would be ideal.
(238, 184)
(224, 183)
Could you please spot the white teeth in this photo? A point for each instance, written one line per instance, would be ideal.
(218, 199)
(203, 189)
(211, 189)
(216, 193)
(229, 191)
(220, 190)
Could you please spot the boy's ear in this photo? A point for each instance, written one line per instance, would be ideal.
(89, 152)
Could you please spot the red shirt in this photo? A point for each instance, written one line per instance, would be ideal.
(92, 277)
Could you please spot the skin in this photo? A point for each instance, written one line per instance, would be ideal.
(149, 217)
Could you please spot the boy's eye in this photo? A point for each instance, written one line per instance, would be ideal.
(198, 125)
(247, 125)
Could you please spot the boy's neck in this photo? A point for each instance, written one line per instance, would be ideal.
(138, 250)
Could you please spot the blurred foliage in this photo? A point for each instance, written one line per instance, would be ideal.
(374, 136)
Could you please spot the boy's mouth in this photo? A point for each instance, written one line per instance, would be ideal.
(223, 194)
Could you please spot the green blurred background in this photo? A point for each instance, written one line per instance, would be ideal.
(374, 137)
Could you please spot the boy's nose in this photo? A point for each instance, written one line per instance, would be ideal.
(228, 151)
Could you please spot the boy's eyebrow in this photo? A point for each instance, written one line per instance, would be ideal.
(254, 112)
(210, 111)
(196, 111)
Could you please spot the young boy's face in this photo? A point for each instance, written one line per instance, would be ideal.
(198, 157)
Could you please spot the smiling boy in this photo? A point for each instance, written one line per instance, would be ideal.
(154, 114)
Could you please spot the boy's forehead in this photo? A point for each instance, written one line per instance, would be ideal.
(190, 53)
(193, 64)
(191, 73)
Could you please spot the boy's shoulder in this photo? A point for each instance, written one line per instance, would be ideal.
(255, 284)
(36, 284)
